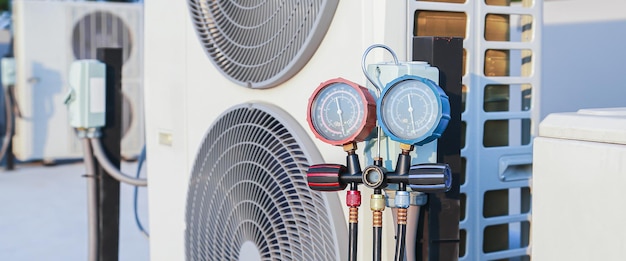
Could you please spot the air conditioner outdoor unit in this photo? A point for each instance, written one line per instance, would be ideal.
(227, 135)
(49, 36)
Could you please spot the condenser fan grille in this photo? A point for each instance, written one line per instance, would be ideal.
(100, 29)
(248, 197)
(260, 44)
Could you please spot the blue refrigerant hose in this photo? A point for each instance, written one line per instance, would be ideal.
(142, 158)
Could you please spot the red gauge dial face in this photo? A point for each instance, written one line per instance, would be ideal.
(341, 112)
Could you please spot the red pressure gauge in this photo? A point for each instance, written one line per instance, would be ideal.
(341, 112)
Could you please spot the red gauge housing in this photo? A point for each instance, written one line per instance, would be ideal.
(341, 112)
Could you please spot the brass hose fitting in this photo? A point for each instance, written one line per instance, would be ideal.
(377, 204)
(402, 216)
(354, 215)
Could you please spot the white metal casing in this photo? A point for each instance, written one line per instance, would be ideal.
(183, 101)
(43, 32)
(579, 176)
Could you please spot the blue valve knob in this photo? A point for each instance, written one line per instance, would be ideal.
(430, 177)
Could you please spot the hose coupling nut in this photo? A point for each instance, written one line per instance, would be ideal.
(377, 202)
(402, 199)
(353, 198)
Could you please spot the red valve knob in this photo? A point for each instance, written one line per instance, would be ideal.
(326, 177)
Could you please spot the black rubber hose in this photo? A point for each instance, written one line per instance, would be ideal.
(354, 235)
(400, 242)
(378, 235)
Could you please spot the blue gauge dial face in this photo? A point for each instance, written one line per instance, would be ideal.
(410, 109)
(337, 112)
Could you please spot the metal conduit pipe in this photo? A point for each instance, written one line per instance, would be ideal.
(92, 204)
(98, 151)
(8, 134)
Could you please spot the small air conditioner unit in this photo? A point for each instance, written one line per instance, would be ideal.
(227, 136)
(49, 36)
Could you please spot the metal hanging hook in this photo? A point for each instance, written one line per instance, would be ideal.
(369, 78)
(378, 87)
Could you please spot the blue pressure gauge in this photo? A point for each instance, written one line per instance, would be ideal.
(413, 110)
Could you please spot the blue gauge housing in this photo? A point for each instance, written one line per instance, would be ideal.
(413, 110)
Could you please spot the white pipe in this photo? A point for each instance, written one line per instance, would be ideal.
(98, 151)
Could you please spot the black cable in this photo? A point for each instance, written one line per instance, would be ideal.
(400, 242)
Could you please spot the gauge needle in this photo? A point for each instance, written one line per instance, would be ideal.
(343, 131)
(411, 112)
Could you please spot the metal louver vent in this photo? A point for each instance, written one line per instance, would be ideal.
(248, 198)
(100, 29)
(261, 44)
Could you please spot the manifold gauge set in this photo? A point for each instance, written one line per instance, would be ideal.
(407, 106)
(411, 110)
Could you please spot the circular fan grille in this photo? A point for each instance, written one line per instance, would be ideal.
(100, 29)
(260, 44)
(248, 198)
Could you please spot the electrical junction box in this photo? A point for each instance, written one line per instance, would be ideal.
(7, 66)
(86, 100)
(382, 74)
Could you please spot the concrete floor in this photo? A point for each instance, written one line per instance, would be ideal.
(43, 214)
